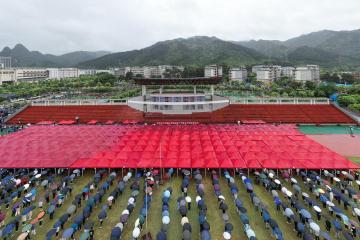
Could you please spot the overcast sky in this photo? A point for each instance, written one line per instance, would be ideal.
(59, 26)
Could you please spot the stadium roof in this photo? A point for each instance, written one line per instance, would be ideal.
(145, 146)
(178, 81)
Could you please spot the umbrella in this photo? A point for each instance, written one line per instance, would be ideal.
(277, 181)
(305, 213)
(22, 236)
(161, 235)
(88, 225)
(50, 233)
(336, 179)
(317, 209)
(124, 218)
(314, 227)
(262, 176)
(165, 220)
(325, 235)
(2, 216)
(136, 232)
(27, 210)
(8, 229)
(71, 209)
(293, 180)
(205, 235)
(115, 233)
(166, 193)
(226, 235)
(44, 183)
(244, 218)
(321, 191)
(40, 215)
(134, 193)
(26, 228)
(68, 233)
(85, 236)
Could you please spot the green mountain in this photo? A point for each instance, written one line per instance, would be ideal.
(326, 48)
(195, 50)
(22, 57)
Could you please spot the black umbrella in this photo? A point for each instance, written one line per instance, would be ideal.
(183, 210)
(206, 225)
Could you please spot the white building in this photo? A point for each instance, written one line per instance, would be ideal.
(31, 74)
(213, 71)
(5, 62)
(7, 75)
(265, 73)
(288, 72)
(63, 73)
(308, 73)
(238, 74)
(87, 72)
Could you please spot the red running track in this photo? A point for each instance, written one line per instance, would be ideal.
(141, 146)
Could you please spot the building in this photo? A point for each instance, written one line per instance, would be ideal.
(7, 75)
(238, 74)
(63, 73)
(5, 62)
(288, 72)
(87, 72)
(213, 71)
(31, 74)
(122, 71)
(266, 73)
(308, 73)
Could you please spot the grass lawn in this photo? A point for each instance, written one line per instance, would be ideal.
(355, 159)
(214, 214)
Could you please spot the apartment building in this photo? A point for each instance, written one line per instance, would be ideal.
(213, 71)
(267, 73)
(308, 73)
(238, 74)
(63, 73)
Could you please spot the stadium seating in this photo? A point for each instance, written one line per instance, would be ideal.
(100, 113)
(270, 113)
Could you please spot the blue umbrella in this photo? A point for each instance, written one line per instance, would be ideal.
(115, 233)
(305, 213)
(27, 210)
(51, 209)
(67, 233)
(50, 233)
(8, 229)
(244, 218)
(205, 235)
(325, 235)
(85, 189)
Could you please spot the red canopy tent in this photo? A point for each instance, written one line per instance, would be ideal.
(177, 146)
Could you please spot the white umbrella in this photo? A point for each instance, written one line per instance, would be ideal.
(344, 173)
(336, 179)
(165, 220)
(357, 211)
(317, 209)
(293, 180)
(184, 220)
(137, 222)
(131, 200)
(271, 175)
(358, 182)
(38, 175)
(125, 212)
(197, 199)
(226, 235)
(284, 190)
(129, 174)
(277, 181)
(110, 198)
(326, 172)
(136, 232)
(188, 199)
(222, 197)
(17, 181)
(314, 227)
(26, 186)
(289, 194)
(330, 204)
(305, 194)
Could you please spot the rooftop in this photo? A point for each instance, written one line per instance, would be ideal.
(178, 81)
